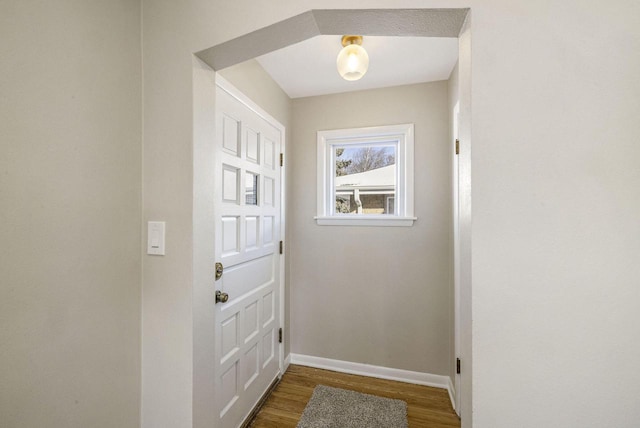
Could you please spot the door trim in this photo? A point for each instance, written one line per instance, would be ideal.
(457, 378)
(226, 86)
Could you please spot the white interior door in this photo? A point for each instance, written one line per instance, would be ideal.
(247, 235)
(456, 254)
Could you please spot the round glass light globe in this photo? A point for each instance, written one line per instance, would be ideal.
(352, 62)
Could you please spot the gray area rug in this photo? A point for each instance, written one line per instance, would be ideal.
(339, 408)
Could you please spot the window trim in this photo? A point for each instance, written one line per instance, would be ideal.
(402, 136)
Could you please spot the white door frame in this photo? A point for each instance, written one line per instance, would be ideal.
(456, 254)
(225, 85)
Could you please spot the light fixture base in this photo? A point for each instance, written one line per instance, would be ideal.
(351, 40)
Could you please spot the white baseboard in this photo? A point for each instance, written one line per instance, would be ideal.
(400, 375)
(287, 362)
(452, 393)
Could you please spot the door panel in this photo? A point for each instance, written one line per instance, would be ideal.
(247, 219)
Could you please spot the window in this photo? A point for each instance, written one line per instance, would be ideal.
(365, 176)
(251, 188)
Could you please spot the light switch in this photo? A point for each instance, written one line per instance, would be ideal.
(155, 238)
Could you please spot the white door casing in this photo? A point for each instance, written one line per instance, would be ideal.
(456, 256)
(247, 196)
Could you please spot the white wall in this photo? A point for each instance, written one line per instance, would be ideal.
(555, 231)
(374, 295)
(70, 173)
(556, 199)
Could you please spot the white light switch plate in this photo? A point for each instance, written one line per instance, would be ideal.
(155, 238)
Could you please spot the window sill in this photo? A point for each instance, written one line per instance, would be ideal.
(369, 220)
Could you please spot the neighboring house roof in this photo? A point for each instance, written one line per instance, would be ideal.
(380, 178)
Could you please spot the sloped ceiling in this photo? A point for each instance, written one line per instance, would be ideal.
(281, 49)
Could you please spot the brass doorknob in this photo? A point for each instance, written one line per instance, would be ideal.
(219, 270)
(221, 297)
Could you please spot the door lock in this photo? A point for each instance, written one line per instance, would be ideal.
(221, 297)
(219, 270)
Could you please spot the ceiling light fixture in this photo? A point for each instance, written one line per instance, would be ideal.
(353, 60)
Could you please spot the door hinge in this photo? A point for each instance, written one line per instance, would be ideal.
(457, 365)
(280, 335)
(457, 146)
(281, 159)
(281, 246)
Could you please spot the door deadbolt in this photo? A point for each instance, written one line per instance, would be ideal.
(219, 270)
(221, 297)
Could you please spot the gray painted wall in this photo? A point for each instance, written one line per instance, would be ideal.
(70, 207)
(374, 295)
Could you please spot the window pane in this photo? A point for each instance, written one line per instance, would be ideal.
(251, 189)
(365, 178)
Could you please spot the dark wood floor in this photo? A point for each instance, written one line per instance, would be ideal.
(426, 407)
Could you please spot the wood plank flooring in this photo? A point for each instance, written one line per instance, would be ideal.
(427, 407)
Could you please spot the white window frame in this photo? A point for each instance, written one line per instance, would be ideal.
(400, 136)
(386, 203)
